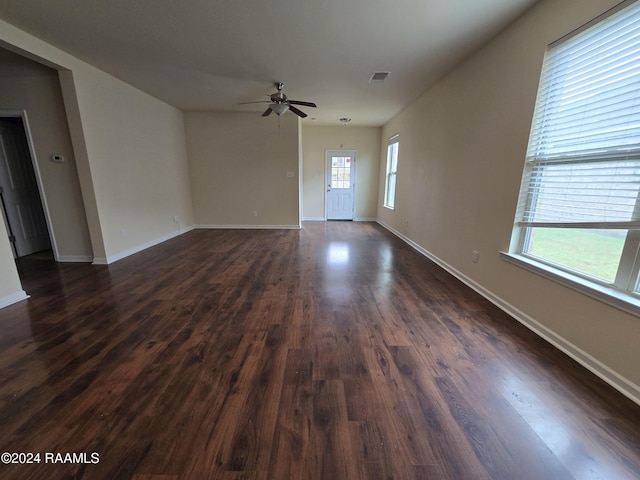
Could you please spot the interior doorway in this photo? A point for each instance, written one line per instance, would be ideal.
(20, 196)
(341, 184)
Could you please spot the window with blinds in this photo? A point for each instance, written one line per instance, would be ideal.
(579, 207)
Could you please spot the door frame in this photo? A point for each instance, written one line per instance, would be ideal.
(36, 170)
(328, 153)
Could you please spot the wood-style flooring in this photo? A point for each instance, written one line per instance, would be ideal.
(334, 352)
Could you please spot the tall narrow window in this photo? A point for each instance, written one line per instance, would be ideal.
(392, 167)
(578, 210)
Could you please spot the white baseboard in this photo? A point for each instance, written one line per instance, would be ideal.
(250, 227)
(613, 378)
(138, 248)
(13, 298)
(323, 219)
(74, 259)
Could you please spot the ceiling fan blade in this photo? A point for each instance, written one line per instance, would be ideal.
(247, 103)
(267, 112)
(300, 113)
(306, 104)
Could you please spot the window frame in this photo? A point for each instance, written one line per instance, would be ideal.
(624, 291)
(391, 175)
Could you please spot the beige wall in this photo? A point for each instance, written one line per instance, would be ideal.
(239, 164)
(34, 88)
(315, 141)
(461, 154)
(138, 163)
(130, 151)
(10, 287)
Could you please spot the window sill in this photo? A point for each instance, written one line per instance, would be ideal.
(611, 296)
(389, 208)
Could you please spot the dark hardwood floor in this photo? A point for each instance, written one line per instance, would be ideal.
(334, 352)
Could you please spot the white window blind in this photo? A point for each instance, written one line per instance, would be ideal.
(582, 167)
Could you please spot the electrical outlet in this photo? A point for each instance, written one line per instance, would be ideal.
(123, 233)
(176, 219)
(255, 213)
(475, 256)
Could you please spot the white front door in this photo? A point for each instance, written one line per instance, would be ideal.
(21, 203)
(340, 181)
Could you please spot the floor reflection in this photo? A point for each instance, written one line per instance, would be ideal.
(552, 430)
(338, 254)
(343, 265)
(384, 273)
(64, 321)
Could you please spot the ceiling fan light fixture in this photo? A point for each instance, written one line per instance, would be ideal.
(280, 104)
(279, 108)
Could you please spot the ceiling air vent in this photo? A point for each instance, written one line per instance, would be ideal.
(379, 77)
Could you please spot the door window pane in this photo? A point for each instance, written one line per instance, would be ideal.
(340, 172)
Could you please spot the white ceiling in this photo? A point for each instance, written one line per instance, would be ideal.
(213, 54)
